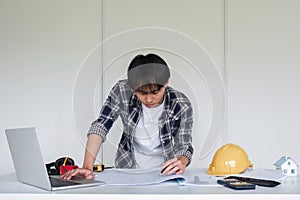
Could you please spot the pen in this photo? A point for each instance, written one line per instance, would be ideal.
(164, 169)
(65, 161)
(63, 165)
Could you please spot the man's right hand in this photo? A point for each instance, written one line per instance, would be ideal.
(92, 147)
(78, 173)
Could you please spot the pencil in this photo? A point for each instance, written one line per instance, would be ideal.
(163, 169)
(65, 161)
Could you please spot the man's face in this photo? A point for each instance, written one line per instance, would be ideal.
(151, 96)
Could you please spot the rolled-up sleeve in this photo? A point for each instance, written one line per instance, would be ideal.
(108, 114)
(183, 138)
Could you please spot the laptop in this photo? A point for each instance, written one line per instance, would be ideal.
(29, 165)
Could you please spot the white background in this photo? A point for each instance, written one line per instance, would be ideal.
(46, 46)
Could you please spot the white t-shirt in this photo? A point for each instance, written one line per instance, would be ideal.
(147, 145)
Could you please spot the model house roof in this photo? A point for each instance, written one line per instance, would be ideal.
(283, 159)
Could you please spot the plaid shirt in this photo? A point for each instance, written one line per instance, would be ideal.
(175, 123)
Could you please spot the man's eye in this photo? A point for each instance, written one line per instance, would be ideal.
(141, 92)
(155, 92)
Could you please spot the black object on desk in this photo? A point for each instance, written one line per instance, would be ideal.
(259, 182)
(236, 184)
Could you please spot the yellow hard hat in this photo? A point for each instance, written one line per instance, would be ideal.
(229, 159)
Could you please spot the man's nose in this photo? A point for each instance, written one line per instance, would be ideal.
(148, 98)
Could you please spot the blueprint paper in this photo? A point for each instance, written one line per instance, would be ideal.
(196, 177)
(136, 177)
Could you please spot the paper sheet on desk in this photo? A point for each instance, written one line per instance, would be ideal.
(266, 174)
(135, 177)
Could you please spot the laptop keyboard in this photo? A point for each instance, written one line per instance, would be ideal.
(56, 182)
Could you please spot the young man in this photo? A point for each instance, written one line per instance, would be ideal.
(157, 121)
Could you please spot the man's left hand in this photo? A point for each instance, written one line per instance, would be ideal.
(175, 165)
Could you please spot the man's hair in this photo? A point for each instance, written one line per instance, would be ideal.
(147, 69)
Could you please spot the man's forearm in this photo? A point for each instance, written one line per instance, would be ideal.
(92, 148)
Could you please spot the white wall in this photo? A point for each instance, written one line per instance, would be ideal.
(49, 74)
(42, 46)
(263, 70)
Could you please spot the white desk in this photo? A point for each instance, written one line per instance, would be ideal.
(11, 189)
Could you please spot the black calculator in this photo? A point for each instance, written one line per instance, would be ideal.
(236, 184)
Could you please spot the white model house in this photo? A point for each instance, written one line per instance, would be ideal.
(287, 165)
